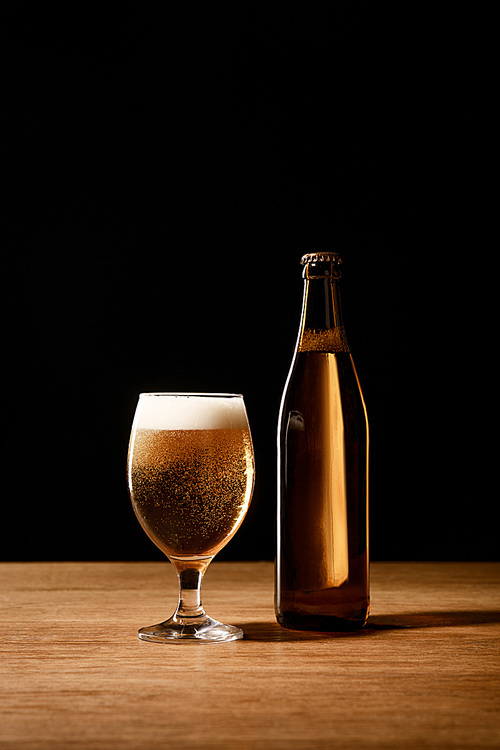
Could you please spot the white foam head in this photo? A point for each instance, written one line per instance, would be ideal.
(190, 411)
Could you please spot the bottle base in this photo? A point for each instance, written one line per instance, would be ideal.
(321, 623)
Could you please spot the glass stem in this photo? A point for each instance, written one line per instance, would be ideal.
(190, 605)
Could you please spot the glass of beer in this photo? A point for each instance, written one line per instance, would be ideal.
(190, 478)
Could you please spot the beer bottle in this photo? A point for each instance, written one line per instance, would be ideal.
(322, 567)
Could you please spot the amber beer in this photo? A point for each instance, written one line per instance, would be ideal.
(322, 580)
(190, 488)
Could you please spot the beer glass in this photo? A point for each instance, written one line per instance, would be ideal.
(190, 478)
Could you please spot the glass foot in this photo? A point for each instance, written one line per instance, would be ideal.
(204, 630)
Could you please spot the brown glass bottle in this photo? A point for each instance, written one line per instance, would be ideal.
(322, 566)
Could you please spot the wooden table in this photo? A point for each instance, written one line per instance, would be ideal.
(424, 673)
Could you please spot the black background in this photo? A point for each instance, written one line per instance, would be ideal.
(166, 166)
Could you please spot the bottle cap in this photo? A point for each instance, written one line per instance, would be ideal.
(320, 257)
(321, 265)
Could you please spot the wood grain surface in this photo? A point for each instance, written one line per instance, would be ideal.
(424, 673)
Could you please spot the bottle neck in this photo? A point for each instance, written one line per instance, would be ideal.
(321, 326)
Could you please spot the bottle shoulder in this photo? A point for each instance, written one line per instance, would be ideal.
(314, 379)
(315, 366)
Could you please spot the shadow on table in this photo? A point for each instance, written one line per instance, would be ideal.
(271, 631)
